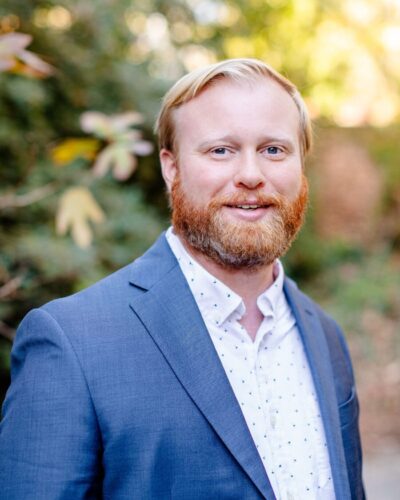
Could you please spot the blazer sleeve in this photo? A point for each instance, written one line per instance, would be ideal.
(49, 438)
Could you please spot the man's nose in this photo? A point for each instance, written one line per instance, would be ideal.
(249, 173)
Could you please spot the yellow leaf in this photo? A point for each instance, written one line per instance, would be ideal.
(70, 149)
(77, 208)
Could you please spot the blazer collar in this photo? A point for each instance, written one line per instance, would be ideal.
(172, 318)
(317, 352)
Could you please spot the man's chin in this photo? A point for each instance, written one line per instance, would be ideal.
(236, 224)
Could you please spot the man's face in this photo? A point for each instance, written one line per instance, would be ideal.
(237, 190)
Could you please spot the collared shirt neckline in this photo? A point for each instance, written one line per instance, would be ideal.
(215, 299)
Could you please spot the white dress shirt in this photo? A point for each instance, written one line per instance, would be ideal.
(270, 378)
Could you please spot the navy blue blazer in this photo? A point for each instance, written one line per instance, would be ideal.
(117, 393)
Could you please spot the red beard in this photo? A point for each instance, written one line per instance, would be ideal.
(238, 244)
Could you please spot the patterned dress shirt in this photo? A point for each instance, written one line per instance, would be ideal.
(270, 378)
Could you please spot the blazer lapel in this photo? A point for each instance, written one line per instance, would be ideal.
(170, 314)
(317, 352)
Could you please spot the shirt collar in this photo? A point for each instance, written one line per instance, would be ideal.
(215, 300)
(269, 301)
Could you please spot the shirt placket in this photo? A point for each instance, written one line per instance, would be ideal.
(265, 387)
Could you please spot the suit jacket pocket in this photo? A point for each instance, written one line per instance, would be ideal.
(348, 411)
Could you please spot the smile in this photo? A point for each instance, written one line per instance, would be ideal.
(248, 207)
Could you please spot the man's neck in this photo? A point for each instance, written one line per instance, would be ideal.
(247, 283)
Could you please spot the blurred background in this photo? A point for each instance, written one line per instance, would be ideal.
(80, 187)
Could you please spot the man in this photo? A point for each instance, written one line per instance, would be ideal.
(199, 371)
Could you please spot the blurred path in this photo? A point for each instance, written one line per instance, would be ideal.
(382, 474)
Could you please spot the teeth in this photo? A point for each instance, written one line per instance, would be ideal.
(248, 207)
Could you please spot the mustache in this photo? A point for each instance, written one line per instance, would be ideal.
(245, 198)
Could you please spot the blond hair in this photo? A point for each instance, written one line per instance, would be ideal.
(192, 84)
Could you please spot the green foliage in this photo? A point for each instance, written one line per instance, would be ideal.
(120, 56)
(37, 114)
(353, 291)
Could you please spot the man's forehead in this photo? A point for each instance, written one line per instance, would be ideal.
(260, 89)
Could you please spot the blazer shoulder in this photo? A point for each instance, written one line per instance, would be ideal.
(103, 293)
(122, 285)
(103, 309)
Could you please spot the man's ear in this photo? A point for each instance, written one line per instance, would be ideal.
(169, 167)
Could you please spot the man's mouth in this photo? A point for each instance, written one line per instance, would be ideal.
(248, 206)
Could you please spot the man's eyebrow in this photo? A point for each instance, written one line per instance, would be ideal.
(213, 141)
(284, 141)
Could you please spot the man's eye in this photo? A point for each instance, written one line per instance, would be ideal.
(273, 150)
(219, 151)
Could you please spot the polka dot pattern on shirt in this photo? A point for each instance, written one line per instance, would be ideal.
(270, 378)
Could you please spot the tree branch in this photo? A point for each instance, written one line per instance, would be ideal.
(23, 200)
